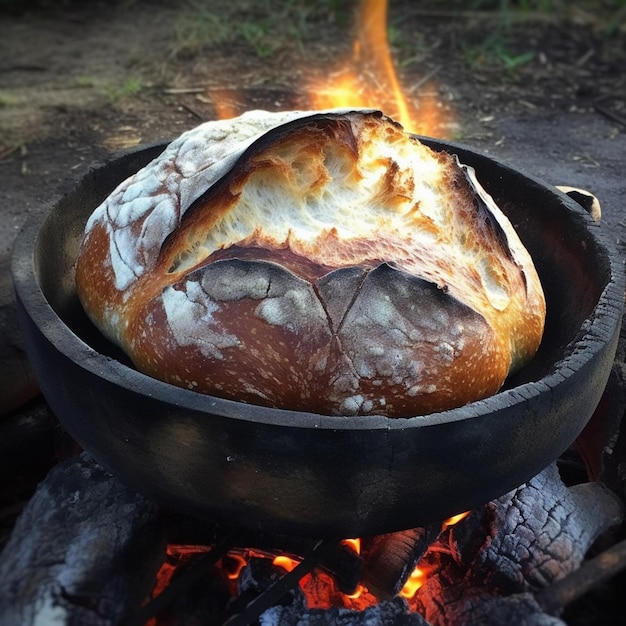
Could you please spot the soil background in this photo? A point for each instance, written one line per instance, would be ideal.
(544, 90)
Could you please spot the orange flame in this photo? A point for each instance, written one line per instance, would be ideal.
(358, 592)
(368, 79)
(414, 582)
(225, 102)
(455, 519)
(355, 544)
(318, 586)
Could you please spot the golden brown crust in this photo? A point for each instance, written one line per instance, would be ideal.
(328, 263)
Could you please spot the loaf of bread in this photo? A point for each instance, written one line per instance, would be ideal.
(316, 261)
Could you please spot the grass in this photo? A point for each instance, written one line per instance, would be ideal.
(262, 26)
(7, 100)
(497, 45)
(130, 87)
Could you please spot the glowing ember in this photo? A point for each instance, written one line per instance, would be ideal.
(175, 557)
(357, 593)
(285, 562)
(320, 588)
(233, 565)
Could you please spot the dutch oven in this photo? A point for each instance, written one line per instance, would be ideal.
(303, 473)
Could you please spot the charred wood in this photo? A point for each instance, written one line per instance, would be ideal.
(521, 543)
(292, 610)
(26, 456)
(282, 586)
(196, 593)
(83, 551)
(392, 612)
(391, 558)
(26, 440)
(591, 573)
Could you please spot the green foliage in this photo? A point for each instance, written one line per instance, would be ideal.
(495, 50)
(255, 34)
(261, 25)
(131, 87)
(7, 100)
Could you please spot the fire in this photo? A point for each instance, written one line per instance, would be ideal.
(420, 573)
(366, 78)
(224, 102)
(414, 582)
(455, 519)
(319, 587)
(355, 544)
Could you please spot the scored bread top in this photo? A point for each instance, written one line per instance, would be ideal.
(323, 261)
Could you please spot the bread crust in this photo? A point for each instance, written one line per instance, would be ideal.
(316, 261)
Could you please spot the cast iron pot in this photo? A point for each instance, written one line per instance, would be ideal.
(303, 473)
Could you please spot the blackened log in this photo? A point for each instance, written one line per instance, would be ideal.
(518, 609)
(26, 456)
(613, 466)
(391, 559)
(390, 613)
(536, 535)
(183, 586)
(84, 550)
(543, 530)
(591, 573)
(596, 442)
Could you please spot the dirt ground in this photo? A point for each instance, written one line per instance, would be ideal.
(544, 91)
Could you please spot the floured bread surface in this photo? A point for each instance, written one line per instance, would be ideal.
(316, 261)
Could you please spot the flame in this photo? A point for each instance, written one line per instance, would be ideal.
(358, 592)
(420, 574)
(318, 586)
(368, 78)
(365, 78)
(355, 544)
(414, 582)
(455, 519)
(225, 102)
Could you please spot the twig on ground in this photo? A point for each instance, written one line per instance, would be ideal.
(600, 108)
(193, 112)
